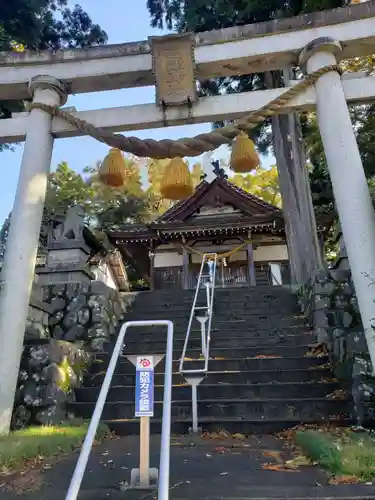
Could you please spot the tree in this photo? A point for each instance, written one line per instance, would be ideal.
(46, 24)
(104, 206)
(4, 232)
(155, 173)
(198, 15)
(43, 24)
(155, 170)
(197, 174)
(3, 238)
(113, 207)
(263, 183)
(363, 119)
(66, 188)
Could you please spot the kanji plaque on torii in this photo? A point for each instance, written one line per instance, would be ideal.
(174, 69)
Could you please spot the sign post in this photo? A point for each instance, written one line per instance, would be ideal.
(144, 477)
(144, 387)
(144, 408)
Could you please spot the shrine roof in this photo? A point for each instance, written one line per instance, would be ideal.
(220, 191)
(248, 213)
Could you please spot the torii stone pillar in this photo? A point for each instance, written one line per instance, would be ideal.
(23, 238)
(352, 197)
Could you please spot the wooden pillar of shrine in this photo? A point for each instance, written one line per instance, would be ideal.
(151, 255)
(185, 269)
(251, 278)
(300, 224)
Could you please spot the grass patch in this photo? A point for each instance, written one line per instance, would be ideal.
(342, 453)
(36, 444)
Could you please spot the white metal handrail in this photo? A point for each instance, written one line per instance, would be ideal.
(163, 484)
(209, 260)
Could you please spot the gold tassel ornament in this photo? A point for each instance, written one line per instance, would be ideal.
(244, 157)
(112, 171)
(176, 183)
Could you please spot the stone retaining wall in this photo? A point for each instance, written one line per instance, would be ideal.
(62, 333)
(50, 370)
(329, 303)
(84, 312)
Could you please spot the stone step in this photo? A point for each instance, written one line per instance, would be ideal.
(274, 376)
(288, 351)
(216, 391)
(282, 409)
(230, 292)
(219, 323)
(226, 289)
(236, 364)
(288, 304)
(276, 305)
(177, 299)
(218, 311)
(148, 342)
(237, 329)
(221, 314)
(125, 427)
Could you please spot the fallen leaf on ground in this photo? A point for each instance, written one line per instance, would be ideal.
(337, 394)
(221, 434)
(210, 435)
(265, 356)
(277, 468)
(317, 350)
(240, 445)
(220, 449)
(224, 434)
(237, 435)
(320, 367)
(274, 454)
(296, 462)
(289, 434)
(5, 471)
(29, 482)
(344, 480)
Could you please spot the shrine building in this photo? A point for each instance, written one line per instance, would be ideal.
(246, 233)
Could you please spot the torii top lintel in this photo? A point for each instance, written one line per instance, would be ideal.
(232, 51)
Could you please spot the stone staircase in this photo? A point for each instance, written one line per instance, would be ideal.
(261, 378)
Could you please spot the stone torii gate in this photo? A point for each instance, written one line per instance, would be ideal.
(313, 41)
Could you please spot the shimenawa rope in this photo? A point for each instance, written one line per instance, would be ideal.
(220, 256)
(186, 146)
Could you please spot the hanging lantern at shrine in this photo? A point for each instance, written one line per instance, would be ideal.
(176, 183)
(244, 157)
(112, 171)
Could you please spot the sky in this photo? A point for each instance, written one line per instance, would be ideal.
(122, 25)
